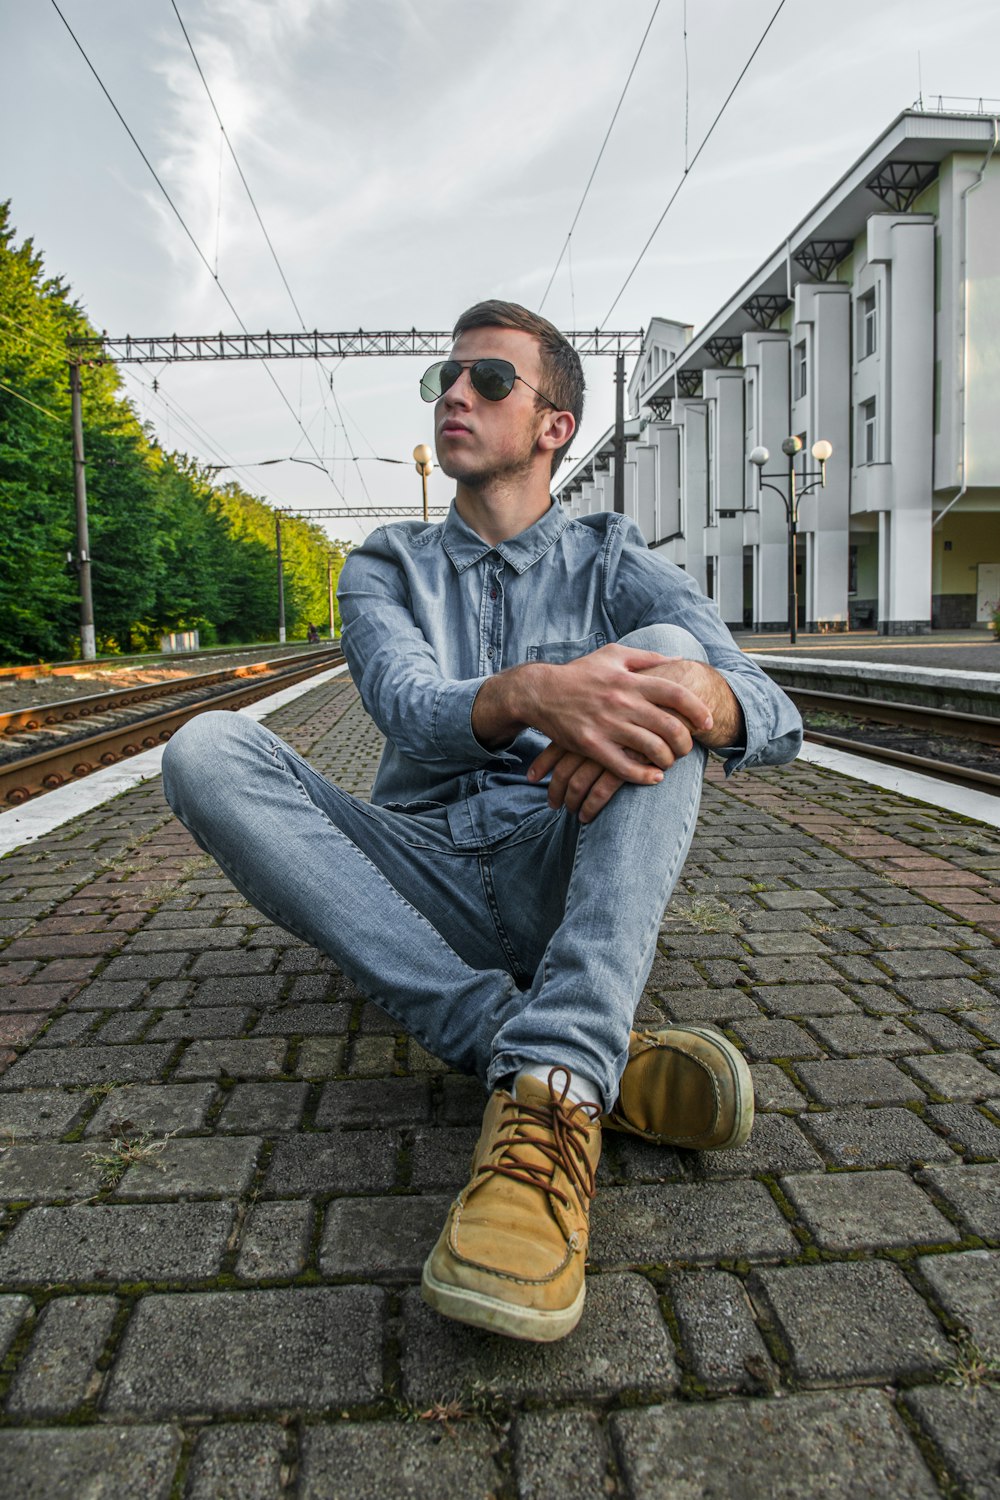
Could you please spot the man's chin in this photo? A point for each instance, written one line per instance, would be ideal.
(471, 478)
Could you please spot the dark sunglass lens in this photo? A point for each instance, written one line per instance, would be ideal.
(450, 371)
(435, 381)
(430, 383)
(493, 378)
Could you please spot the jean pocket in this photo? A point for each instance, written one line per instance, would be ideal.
(412, 807)
(558, 652)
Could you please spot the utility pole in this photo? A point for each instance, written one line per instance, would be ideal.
(620, 434)
(329, 580)
(281, 582)
(88, 643)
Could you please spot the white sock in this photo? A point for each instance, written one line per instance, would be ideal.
(581, 1089)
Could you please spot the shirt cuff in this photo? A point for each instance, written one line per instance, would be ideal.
(772, 736)
(451, 724)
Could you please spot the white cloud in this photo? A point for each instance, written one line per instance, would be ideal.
(410, 156)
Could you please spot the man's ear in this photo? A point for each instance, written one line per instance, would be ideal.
(558, 428)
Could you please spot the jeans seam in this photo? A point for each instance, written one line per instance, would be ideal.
(489, 891)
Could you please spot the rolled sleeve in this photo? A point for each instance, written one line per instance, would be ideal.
(772, 723)
(426, 715)
(451, 724)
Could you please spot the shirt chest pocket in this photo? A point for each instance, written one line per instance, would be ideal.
(563, 651)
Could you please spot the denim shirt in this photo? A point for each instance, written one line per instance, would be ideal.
(430, 611)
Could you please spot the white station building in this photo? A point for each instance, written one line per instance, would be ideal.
(874, 326)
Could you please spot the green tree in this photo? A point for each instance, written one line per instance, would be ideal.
(170, 550)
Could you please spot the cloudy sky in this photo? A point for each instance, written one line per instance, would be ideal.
(409, 157)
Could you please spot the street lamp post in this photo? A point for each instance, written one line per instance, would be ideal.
(329, 581)
(791, 447)
(422, 460)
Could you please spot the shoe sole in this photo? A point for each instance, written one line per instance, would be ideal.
(532, 1324)
(742, 1081)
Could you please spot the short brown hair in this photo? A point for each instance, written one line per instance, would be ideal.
(562, 372)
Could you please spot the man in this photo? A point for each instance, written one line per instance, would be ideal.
(549, 691)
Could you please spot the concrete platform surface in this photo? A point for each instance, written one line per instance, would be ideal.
(221, 1169)
(973, 650)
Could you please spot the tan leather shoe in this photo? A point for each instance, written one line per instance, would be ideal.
(512, 1253)
(684, 1087)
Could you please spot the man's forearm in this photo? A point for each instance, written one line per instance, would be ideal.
(712, 688)
(633, 712)
(503, 705)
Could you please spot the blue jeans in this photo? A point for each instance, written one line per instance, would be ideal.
(532, 949)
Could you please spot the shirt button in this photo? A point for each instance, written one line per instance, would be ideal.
(489, 652)
(493, 593)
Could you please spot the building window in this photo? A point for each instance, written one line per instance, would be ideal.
(801, 371)
(869, 433)
(867, 325)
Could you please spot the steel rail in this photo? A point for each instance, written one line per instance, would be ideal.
(47, 669)
(48, 715)
(28, 776)
(31, 775)
(913, 715)
(965, 776)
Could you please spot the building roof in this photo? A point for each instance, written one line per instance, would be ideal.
(892, 172)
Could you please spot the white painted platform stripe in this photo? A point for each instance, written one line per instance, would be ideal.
(983, 806)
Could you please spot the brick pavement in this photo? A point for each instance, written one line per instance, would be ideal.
(222, 1169)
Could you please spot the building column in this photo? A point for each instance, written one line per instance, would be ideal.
(905, 244)
(823, 410)
(767, 424)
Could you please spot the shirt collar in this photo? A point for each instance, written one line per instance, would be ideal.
(465, 546)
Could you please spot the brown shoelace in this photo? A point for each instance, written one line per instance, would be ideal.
(562, 1143)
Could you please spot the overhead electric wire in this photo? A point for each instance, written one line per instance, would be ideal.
(361, 431)
(36, 338)
(687, 85)
(263, 463)
(174, 409)
(187, 231)
(236, 163)
(184, 421)
(600, 153)
(347, 439)
(260, 221)
(43, 409)
(200, 435)
(688, 166)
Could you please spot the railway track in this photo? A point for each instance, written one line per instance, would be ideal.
(45, 747)
(84, 734)
(947, 723)
(75, 667)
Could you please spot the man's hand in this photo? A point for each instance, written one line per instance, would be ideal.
(598, 706)
(633, 712)
(582, 786)
(614, 716)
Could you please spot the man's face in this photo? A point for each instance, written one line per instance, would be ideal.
(479, 441)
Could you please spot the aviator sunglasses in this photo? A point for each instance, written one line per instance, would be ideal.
(492, 378)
